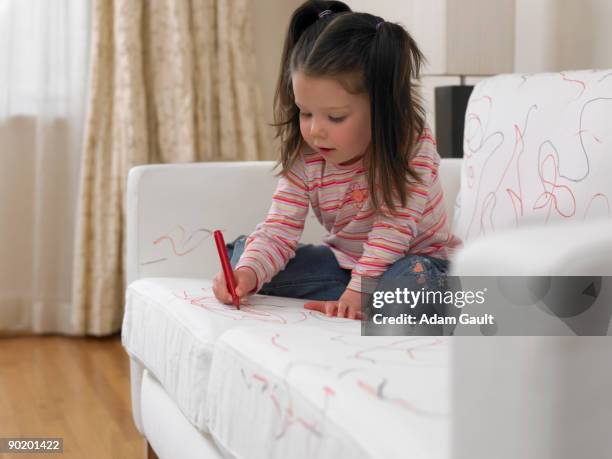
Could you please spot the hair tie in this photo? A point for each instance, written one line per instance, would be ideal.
(325, 13)
(379, 24)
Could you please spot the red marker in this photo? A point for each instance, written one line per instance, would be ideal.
(227, 268)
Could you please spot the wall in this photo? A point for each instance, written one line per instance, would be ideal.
(550, 35)
(554, 35)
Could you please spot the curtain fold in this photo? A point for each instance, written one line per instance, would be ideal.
(171, 81)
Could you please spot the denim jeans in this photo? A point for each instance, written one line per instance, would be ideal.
(314, 273)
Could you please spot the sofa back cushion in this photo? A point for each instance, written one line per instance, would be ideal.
(537, 149)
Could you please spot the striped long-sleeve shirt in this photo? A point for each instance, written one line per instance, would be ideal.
(362, 240)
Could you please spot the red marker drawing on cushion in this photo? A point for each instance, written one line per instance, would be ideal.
(227, 268)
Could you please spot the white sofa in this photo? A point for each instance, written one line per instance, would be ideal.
(275, 382)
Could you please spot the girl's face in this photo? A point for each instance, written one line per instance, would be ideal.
(333, 122)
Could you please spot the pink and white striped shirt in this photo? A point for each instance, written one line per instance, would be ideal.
(362, 240)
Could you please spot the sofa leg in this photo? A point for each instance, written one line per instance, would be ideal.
(149, 452)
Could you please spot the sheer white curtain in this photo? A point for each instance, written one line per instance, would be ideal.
(44, 46)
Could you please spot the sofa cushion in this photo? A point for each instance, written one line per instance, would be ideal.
(537, 148)
(171, 326)
(323, 394)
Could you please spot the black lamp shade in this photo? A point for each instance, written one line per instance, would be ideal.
(451, 103)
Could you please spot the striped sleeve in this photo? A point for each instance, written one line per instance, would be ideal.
(273, 243)
(391, 236)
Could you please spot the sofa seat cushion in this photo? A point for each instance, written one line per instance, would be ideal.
(304, 393)
(171, 326)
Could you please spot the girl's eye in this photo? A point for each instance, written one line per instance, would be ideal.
(331, 118)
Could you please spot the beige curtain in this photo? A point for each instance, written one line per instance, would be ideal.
(170, 81)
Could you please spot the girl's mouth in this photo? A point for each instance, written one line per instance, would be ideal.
(325, 151)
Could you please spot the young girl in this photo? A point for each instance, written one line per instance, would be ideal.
(354, 147)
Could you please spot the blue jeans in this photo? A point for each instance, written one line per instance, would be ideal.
(314, 273)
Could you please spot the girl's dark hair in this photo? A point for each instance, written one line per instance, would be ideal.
(365, 57)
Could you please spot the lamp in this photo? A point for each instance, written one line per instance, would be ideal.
(478, 42)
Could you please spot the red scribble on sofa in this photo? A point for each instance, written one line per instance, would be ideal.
(286, 413)
(276, 344)
(582, 84)
(555, 196)
(268, 313)
(181, 242)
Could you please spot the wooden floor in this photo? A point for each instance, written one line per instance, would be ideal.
(73, 388)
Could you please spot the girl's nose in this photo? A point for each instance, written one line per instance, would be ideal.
(316, 130)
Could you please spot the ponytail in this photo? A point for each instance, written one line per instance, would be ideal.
(396, 110)
(286, 116)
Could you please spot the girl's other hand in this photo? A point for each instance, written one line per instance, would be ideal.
(348, 305)
(246, 281)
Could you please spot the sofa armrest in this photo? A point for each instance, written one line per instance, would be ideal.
(172, 210)
(556, 249)
(529, 390)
